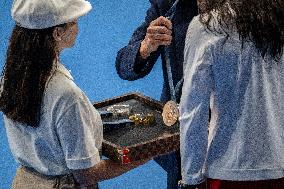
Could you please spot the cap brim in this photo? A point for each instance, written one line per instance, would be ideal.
(87, 7)
(71, 13)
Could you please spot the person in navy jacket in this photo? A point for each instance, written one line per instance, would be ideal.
(137, 59)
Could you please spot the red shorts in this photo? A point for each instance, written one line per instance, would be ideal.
(222, 184)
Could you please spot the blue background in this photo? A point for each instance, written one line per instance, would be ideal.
(106, 29)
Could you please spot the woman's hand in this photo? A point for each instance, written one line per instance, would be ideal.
(105, 169)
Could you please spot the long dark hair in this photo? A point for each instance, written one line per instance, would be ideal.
(30, 59)
(259, 21)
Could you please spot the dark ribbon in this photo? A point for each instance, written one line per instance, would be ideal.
(174, 90)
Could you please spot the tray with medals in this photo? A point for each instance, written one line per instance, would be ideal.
(134, 128)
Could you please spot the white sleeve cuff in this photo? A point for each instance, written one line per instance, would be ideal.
(193, 179)
(84, 163)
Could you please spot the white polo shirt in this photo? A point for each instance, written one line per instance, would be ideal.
(69, 135)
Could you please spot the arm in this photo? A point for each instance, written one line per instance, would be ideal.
(194, 117)
(105, 169)
(79, 129)
(129, 63)
(194, 106)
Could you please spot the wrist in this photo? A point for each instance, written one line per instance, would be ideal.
(144, 53)
(182, 185)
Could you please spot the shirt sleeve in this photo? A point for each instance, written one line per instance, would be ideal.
(129, 64)
(80, 134)
(194, 107)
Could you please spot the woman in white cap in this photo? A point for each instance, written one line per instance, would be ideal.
(53, 130)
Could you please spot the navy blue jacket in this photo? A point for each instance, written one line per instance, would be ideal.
(130, 66)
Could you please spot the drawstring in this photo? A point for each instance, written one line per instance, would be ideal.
(69, 180)
(57, 183)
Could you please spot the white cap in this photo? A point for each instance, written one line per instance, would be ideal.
(40, 14)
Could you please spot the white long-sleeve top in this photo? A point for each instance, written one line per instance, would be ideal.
(246, 135)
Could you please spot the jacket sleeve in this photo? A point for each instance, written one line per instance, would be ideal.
(194, 105)
(129, 64)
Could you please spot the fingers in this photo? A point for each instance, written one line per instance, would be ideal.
(152, 42)
(159, 40)
(162, 21)
(160, 26)
(158, 33)
(159, 30)
(159, 37)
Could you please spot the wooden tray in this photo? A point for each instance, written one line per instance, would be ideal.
(132, 142)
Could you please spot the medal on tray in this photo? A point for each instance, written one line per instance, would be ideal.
(143, 119)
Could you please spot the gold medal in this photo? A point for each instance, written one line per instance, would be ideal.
(136, 118)
(170, 113)
(143, 119)
(149, 119)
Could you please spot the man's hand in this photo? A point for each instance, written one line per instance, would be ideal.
(158, 33)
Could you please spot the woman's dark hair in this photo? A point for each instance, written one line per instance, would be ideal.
(30, 59)
(259, 21)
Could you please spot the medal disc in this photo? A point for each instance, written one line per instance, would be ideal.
(170, 113)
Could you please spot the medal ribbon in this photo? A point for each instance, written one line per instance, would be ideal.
(173, 90)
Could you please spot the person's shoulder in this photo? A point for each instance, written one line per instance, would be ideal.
(196, 34)
(161, 2)
(162, 5)
(199, 33)
(61, 86)
(195, 26)
(200, 41)
(154, 2)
